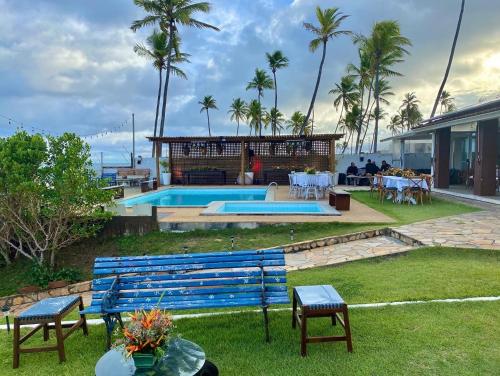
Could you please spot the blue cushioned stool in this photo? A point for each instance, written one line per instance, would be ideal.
(48, 314)
(319, 301)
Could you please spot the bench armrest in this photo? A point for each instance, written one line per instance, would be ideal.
(110, 296)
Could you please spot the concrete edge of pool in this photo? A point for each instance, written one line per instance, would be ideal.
(215, 208)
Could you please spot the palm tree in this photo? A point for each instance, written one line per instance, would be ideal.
(260, 82)
(346, 95)
(385, 46)
(156, 50)
(329, 23)
(276, 61)
(447, 102)
(238, 111)
(276, 119)
(254, 116)
(396, 124)
(207, 103)
(168, 14)
(450, 60)
(351, 123)
(296, 124)
(409, 106)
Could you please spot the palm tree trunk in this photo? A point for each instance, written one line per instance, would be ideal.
(377, 109)
(273, 124)
(260, 119)
(167, 79)
(238, 127)
(340, 119)
(450, 60)
(360, 121)
(208, 119)
(157, 112)
(367, 126)
(313, 99)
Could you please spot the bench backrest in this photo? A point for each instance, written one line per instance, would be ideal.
(194, 280)
(124, 172)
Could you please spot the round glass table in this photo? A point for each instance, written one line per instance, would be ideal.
(183, 358)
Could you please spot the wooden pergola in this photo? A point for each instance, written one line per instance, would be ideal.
(234, 155)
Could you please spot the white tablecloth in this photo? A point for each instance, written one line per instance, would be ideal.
(400, 183)
(302, 179)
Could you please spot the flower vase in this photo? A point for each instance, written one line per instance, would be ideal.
(143, 361)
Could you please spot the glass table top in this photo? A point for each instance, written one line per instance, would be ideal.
(182, 358)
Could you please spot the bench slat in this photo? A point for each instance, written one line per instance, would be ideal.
(182, 261)
(186, 267)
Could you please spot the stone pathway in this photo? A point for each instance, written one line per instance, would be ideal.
(339, 253)
(472, 230)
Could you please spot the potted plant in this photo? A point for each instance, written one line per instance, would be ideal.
(166, 175)
(146, 336)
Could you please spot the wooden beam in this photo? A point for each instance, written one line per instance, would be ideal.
(170, 164)
(331, 157)
(242, 166)
(158, 152)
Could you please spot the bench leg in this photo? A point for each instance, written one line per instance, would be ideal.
(266, 323)
(60, 339)
(17, 336)
(303, 333)
(294, 311)
(347, 328)
(119, 318)
(83, 318)
(110, 324)
(46, 332)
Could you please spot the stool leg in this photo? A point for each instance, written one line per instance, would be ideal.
(46, 332)
(60, 339)
(303, 333)
(83, 318)
(17, 335)
(347, 329)
(294, 311)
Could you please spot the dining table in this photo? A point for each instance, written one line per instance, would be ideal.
(400, 183)
(319, 179)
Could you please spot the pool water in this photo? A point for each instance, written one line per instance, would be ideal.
(273, 208)
(196, 197)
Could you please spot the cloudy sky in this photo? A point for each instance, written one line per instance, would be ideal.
(69, 65)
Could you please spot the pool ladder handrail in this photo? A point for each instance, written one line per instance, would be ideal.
(270, 185)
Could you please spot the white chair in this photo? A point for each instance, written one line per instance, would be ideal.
(294, 188)
(310, 187)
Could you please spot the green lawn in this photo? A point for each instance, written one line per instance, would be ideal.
(444, 339)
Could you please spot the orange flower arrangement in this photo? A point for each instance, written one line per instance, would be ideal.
(147, 332)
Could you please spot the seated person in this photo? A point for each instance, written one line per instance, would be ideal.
(351, 170)
(384, 166)
(371, 168)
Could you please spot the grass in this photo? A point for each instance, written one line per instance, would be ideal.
(444, 339)
(405, 214)
(82, 255)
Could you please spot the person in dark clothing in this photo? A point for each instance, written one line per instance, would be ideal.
(371, 168)
(384, 166)
(351, 170)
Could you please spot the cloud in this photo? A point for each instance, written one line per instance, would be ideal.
(70, 65)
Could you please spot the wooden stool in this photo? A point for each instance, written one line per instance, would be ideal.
(340, 199)
(48, 314)
(319, 301)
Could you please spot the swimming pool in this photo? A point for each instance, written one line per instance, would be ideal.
(270, 208)
(186, 197)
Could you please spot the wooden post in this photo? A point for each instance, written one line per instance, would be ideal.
(242, 166)
(170, 165)
(331, 156)
(442, 158)
(485, 163)
(158, 151)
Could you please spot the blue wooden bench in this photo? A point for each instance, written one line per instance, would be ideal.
(188, 281)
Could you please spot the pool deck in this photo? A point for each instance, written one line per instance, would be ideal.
(359, 213)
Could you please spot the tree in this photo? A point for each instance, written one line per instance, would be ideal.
(168, 14)
(329, 20)
(276, 119)
(447, 102)
(254, 116)
(386, 47)
(410, 111)
(156, 50)
(208, 103)
(260, 81)
(296, 122)
(350, 124)
(346, 95)
(238, 111)
(450, 60)
(395, 124)
(276, 61)
(49, 197)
